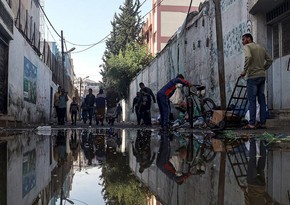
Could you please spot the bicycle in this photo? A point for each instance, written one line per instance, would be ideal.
(198, 105)
(199, 152)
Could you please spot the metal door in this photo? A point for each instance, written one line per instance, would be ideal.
(3, 77)
(280, 71)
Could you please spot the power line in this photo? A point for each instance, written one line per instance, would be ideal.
(93, 44)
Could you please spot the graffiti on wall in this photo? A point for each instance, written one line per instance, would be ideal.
(28, 172)
(233, 40)
(226, 3)
(29, 81)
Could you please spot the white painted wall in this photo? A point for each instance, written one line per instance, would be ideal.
(22, 110)
(16, 149)
(194, 52)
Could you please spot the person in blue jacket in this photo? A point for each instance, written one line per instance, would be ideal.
(163, 96)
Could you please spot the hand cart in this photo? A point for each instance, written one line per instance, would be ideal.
(236, 109)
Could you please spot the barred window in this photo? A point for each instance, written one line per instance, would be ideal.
(276, 41)
(286, 37)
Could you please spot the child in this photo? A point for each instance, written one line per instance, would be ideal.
(74, 109)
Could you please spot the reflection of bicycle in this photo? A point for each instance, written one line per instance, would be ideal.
(199, 152)
(199, 106)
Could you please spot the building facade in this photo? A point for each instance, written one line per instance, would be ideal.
(30, 69)
(164, 20)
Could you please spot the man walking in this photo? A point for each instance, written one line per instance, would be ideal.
(257, 61)
(90, 102)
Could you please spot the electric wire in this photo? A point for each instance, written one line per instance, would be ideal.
(93, 44)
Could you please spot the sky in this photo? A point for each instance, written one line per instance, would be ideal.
(84, 22)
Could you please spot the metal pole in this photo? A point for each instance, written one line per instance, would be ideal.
(62, 60)
(221, 70)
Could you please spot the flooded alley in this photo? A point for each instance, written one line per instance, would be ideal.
(138, 166)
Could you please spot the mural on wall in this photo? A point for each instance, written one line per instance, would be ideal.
(225, 4)
(28, 172)
(29, 81)
(233, 44)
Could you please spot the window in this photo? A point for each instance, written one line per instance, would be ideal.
(281, 38)
(276, 41)
(286, 37)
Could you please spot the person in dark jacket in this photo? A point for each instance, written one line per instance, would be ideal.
(163, 96)
(74, 109)
(100, 107)
(90, 101)
(146, 99)
(136, 107)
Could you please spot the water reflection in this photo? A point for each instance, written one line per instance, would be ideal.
(142, 149)
(69, 166)
(114, 166)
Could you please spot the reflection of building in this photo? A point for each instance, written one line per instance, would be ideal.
(163, 21)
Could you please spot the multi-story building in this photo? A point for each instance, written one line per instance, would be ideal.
(164, 20)
(29, 70)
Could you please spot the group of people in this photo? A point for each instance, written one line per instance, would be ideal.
(92, 106)
(142, 102)
(101, 105)
(257, 61)
(60, 105)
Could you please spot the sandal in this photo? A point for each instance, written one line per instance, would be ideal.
(249, 127)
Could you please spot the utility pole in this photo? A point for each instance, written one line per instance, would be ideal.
(62, 61)
(221, 71)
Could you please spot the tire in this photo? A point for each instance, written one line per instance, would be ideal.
(208, 107)
(208, 153)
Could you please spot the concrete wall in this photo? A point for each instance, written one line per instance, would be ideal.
(23, 110)
(193, 52)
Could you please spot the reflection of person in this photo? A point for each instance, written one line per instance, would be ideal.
(163, 96)
(62, 106)
(142, 149)
(256, 192)
(171, 164)
(100, 107)
(90, 102)
(146, 98)
(136, 107)
(74, 144)
(60, 143)
(74, 109)
(88, 146)
(100, 148)
(257, 61)
(55, 103)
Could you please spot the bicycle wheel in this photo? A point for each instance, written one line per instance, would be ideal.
(189, 103)
(208, 107)
(207, 151)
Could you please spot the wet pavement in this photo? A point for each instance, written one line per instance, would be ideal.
(126, 164)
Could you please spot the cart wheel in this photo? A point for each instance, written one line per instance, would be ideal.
(222, 124)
